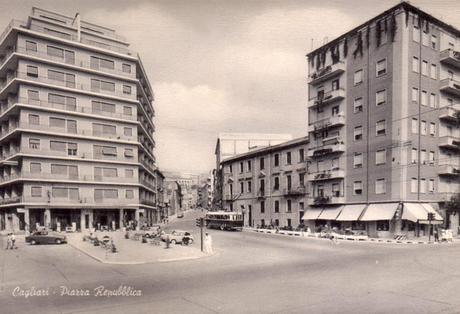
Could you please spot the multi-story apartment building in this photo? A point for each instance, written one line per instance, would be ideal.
(268, 184)
(383, 124)
(76, 115)
(231, 144)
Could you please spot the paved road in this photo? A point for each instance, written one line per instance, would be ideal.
(251, 273)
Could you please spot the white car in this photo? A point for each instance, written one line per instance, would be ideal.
(177, 236)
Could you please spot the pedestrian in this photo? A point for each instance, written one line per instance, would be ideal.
(436, 234)
(13, 241)
(8, 241)
(208, 244)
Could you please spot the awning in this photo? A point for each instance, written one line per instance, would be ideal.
(312, 214)
(383, 211)
(429, 208)
(351, 212)
(414, 212)
(330, 213)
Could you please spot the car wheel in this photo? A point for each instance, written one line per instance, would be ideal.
(33, 242)
(173, 241)
(58, 241)
(190, 241)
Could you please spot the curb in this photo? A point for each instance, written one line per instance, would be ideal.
(178, 259)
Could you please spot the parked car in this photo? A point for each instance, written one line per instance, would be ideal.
(178, 236)
(180, 215)
(43, 237)
(150, 232)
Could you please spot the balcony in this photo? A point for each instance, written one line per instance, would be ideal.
(450, 114)
(331, 122)
(450, 142)
(450, 86)
(326, 175)
(327, 73)
(326, 200)
(326, 98)
(11, 200)
(326, 149)
(295, 191)
(450, 57)
(449, 170)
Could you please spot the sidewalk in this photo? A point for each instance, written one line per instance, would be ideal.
(132, 252)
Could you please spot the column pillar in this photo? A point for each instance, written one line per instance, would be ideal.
(27, 220)
(136, 218)
(454, 222)
(47, 218)
(122, 212)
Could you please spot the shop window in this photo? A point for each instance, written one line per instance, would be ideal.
(383, 225)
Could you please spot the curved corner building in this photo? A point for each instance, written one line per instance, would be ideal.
(76, 127)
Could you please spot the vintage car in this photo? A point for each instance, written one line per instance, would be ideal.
(43, 237)
(180, 215)
(177, 236)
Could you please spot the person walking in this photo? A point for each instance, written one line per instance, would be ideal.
(8, 241)
(436, 234)
(208, 244)
(13, 241)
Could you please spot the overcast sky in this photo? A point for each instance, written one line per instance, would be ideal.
(224, 66)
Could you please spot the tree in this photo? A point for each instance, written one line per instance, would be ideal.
(453, 205)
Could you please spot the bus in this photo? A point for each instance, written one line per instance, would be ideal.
(224, 220)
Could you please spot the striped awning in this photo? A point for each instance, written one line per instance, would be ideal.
(381, 211)
(351, 212)
(330, 213)
(312, 213)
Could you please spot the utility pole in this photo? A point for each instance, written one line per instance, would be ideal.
(430, 218)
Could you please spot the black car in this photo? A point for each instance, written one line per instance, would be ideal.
(43, 237)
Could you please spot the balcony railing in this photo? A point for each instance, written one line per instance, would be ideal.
(11, 200)
(24, 175)
(450, 114)
(293, 191)
(326, 73)
(326, 98)
(450, 86)
(326, 148)
(330, 122)
(336, 198)
(449, 170)
(451, 142)
(450, 57)
(326, 175)
(67, 84)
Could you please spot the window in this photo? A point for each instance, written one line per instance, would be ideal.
(249, 166)
(57, 122)
(414, 155)
(67, 78)
(100, 172)
(414, 126)
(241, 167)
(431, 157)
(380, 97)
(277, 206)
(301, 155)
(380, 156)
(380, 128)
(416, 34)
(32, 71)
(34, 143)
(36, 191)
(126, 90)
(249, 183)
(100, 194)
(358, 105)
(357, 188)
(262, 207)
(104, 129)
(35, 167)
(276, 183)
(422, 185)
(34, 119)
(55, 52)
(128, 152)
(127, 110)
(413, 185)
(289, 182)
(98, 85)
(432, 129)
(425, 38)
(31, 46)
(58, 192)
(57, 33)
(415, 64)
(425, 67)
(358, 160)
(431, 185)
(423, 156)
(129, 194)
(434, 41)
(335, 190)
(62, 102)
(288, 158)
(335, 84)
(230, 168)
(96, 63)
(129, 173)
(434, 71)
(358, 133)
(414, 94)
(380, 186)
(381, 67)
(383, 225)
(302, 179)
(127, 131)
(423, 128)
(277, 160)
(289, 207)
(424, 99)
(262, 163)
(241, 187)
(126, 68)
(335, 110)
(103, 108)
(433, 100)
(57, 146)
(358, 77)
(72, 149)
(33, 95)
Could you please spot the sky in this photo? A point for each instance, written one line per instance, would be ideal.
(224, 65)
